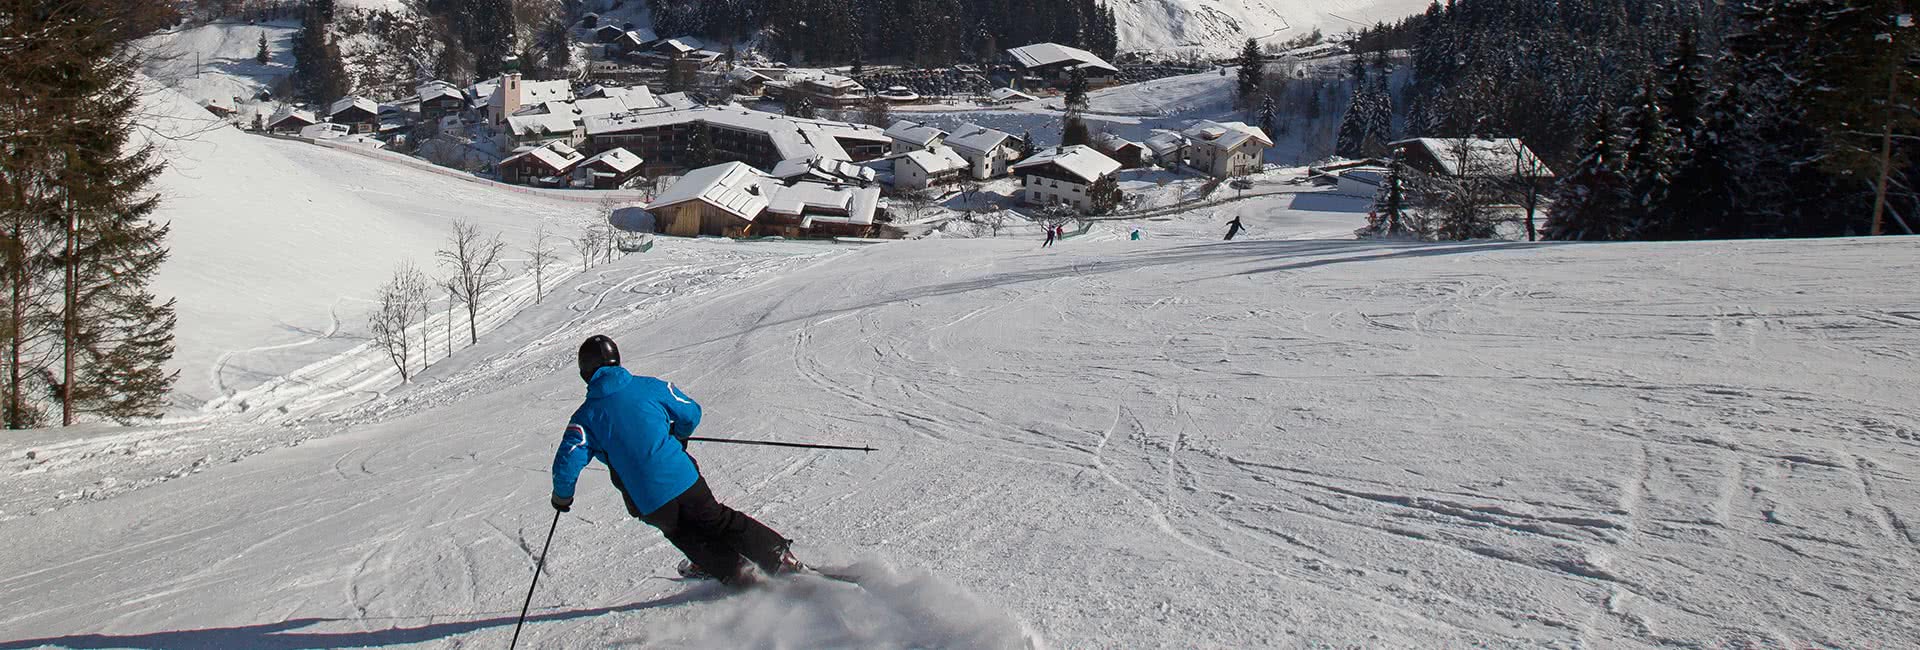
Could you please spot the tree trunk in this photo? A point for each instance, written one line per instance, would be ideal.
(16, 281)
(70, 321)
(473, 327)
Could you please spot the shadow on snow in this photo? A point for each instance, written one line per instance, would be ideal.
(278, 636)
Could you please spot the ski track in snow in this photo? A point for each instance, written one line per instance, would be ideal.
(1176, 442)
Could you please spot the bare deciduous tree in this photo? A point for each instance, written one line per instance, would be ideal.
(587, 244)
(539, 256)
(475, 263)
(399, 309)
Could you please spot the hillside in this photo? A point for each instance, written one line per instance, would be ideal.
(1218, 27)
(1173, 442)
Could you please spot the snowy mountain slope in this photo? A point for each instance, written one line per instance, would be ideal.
(216, 60)
(1170, 443)
(1219, 27)
(277, 247)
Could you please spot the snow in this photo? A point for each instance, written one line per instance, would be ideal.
(733, 186)
(1170, 442)
(1080, 160)
(322, 228)
(1219, 27)
(935, 161)
(1045, 54)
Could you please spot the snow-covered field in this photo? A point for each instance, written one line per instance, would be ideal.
(1176, 442)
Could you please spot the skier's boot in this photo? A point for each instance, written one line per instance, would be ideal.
(789, 564)
(690, 571)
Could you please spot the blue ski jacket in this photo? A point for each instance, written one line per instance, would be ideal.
(637, 427)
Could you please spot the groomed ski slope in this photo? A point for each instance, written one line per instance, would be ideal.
(1175, 442)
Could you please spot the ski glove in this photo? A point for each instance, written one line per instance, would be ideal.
(562, 504)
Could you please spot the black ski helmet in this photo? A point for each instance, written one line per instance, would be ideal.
(596, 353)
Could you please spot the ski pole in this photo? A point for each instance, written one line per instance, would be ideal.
(541, 564)
(770, 443)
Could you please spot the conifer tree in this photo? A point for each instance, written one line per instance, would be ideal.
(1246, 91)
(263, 55)
(1590, 204)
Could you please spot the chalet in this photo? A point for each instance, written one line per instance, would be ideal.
(1226, 149)
(824, 90)
(1168, 148)
(290, 120)
(1130, 154)
(988, 151)
(1062, 175)
(923, 168)
(1361, 181)
(736, 200)
(546, 165)
(358, 112)
(439, 99)
(747, 81)
(722, 200)
(608, 170)
(1503, 158)
(607, 33)
(1054, 63)
(1004, 96)
(913, 136)
(630, 41)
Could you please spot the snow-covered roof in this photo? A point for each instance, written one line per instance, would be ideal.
(733, 187)
(677, 100)
(792, 137)
(1080, 160)
(1225, 135)
(823, 169)
(1112, 142)
(437, 89)
(675, 46)
(1045, 54)
(976, 139)
(615, 100)
(809, 198)
(291, 113)
(1165, 143)
(839, 84)
(1482, 156)
(617, 159)
(745, 74)
(531, 92)
(915, 133)
(537, 124)
(1009, 95)
(937, 160)
(342, 104)
(638, 36)
(557, 155)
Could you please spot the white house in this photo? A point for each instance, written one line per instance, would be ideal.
(988, 151)
(923, 168)
(908, 136)
(1062, 175)
(1226, 149)
(509, 93)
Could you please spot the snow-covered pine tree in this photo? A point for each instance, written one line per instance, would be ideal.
(1591, 203)
(1104, 195)
(1648, 162)
(1377, 119)
(263, 54)
(1350, 140)
(1246, 92)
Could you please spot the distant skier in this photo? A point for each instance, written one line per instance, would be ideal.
(638, 428)
(1233, 228)
(1050, 235)
(1136, 235)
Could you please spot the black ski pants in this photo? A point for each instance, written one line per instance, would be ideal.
(713, 536)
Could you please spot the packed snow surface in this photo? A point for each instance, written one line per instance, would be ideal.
(1173, 442)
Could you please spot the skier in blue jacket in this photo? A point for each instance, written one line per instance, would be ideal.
(638, 428)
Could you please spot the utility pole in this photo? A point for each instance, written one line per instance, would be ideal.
(1886, 134)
